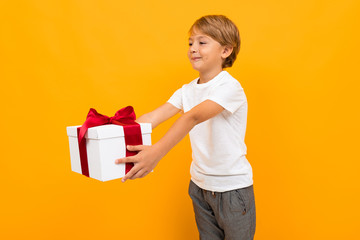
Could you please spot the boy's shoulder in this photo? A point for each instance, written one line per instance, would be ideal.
(227, 80)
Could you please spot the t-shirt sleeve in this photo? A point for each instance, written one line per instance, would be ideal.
(229, 95)
(176, 99)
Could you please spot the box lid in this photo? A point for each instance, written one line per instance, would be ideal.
(106, 131)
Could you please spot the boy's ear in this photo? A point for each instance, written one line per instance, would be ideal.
(227, 50)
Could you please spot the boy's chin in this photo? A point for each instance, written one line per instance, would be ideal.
(196, 68)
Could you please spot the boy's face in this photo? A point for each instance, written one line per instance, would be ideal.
(205, 53)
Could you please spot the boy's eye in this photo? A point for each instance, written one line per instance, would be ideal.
(202, 42)
(190, 44)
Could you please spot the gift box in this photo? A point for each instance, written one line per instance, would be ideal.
(95, 145)
(104, 144)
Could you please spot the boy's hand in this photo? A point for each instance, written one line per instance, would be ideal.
(144, 162)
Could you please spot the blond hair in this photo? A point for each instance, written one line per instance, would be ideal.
(222, 30)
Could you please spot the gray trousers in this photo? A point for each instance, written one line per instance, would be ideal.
(221, 215)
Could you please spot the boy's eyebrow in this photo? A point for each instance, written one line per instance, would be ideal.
(199, 36)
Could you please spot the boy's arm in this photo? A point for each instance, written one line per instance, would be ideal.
(159, 115)
(149, 156)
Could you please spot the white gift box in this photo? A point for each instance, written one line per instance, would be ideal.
(104, 144)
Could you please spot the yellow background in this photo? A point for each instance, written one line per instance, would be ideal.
(298, 64)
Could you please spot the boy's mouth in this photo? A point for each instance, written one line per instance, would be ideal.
(195, 58)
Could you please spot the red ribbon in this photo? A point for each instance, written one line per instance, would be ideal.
(124, 117)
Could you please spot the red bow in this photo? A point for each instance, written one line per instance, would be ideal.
(124, 117)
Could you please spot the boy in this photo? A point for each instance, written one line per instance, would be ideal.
(215, 115)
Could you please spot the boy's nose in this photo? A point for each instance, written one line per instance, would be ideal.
(193, 49)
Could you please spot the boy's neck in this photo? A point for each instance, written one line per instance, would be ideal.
(207, 76)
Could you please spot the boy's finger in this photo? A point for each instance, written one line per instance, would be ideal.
(130, 174)
(139, 174)
(135, 147)
(144, 173)
(131, 159)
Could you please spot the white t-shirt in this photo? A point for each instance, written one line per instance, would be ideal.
(218, 147)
